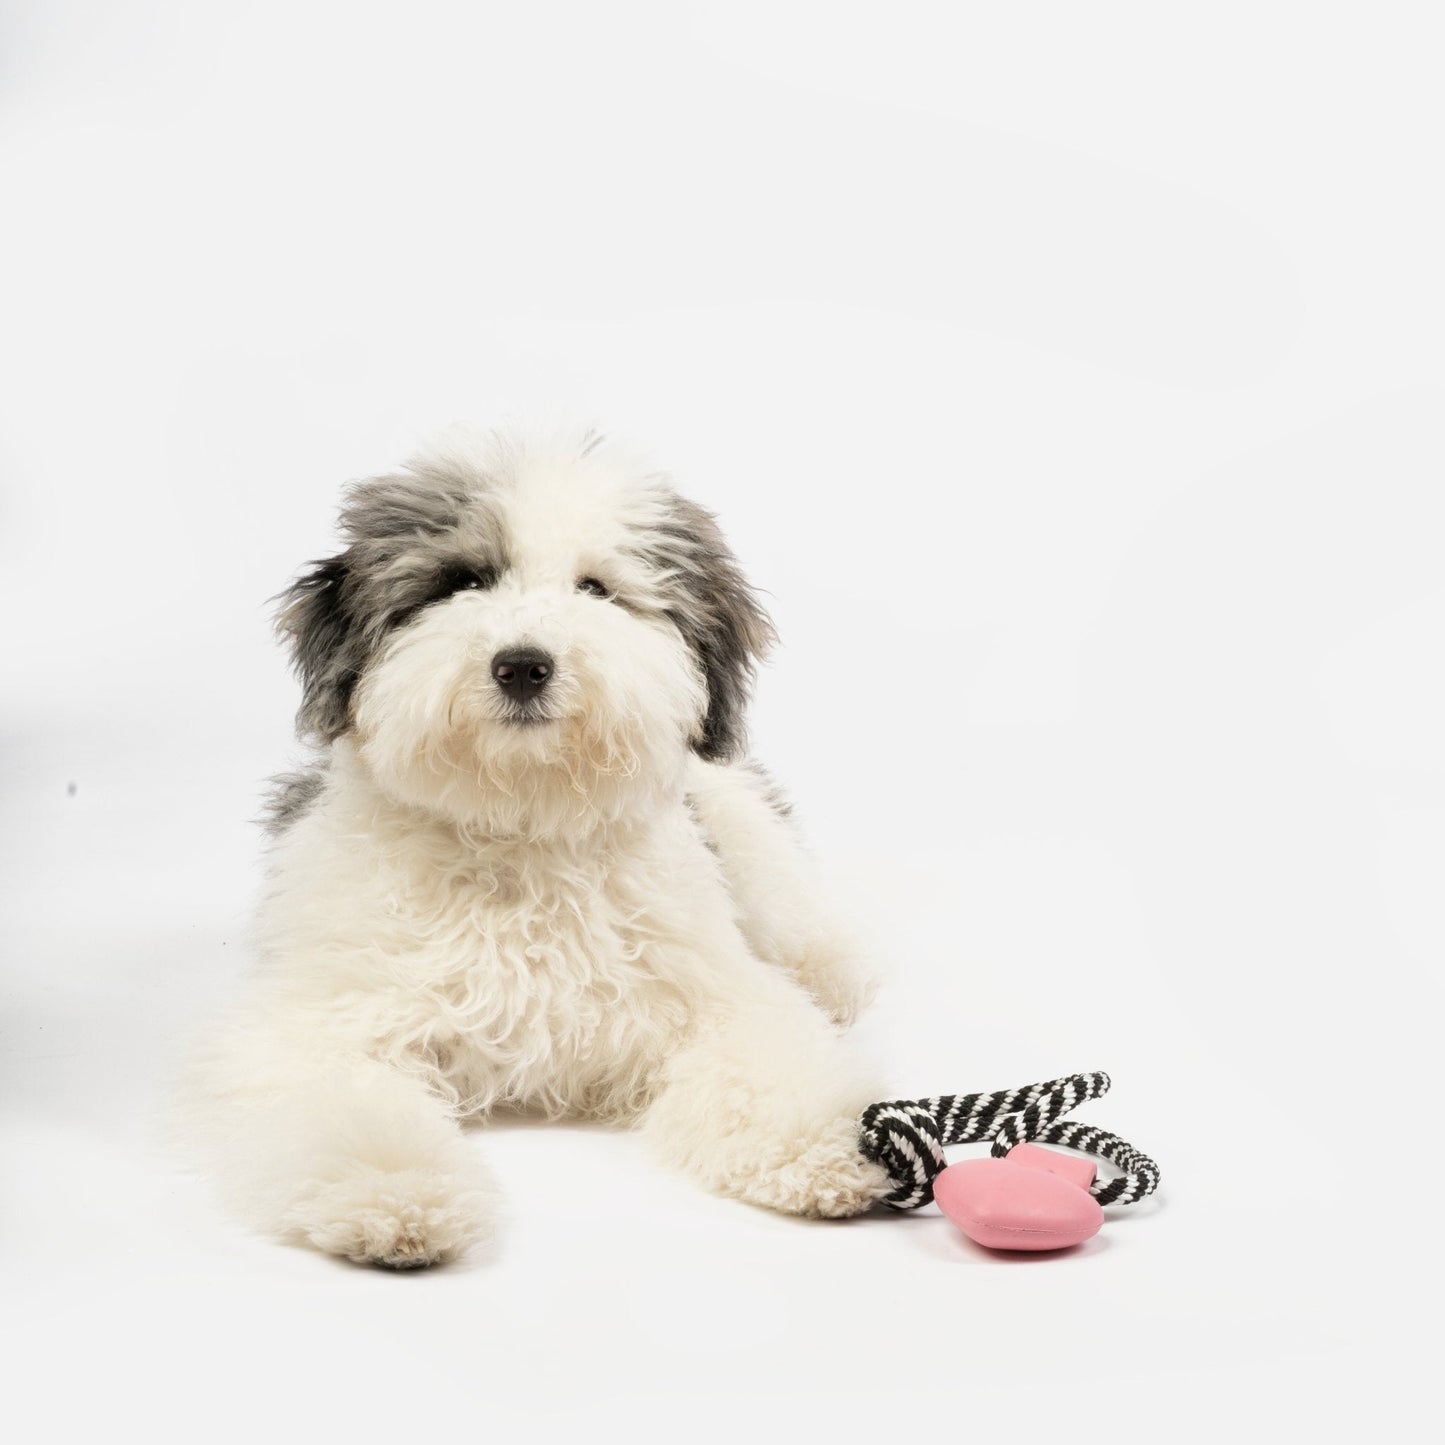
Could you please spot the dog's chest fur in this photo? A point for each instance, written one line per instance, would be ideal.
(555, 975)
(564, 975)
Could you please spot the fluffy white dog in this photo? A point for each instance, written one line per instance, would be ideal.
(530, 871)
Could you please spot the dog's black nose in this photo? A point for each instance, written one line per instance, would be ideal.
(522, 673)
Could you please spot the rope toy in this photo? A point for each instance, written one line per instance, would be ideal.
(1023, 1197)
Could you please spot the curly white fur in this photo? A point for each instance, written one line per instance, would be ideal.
(591, 914)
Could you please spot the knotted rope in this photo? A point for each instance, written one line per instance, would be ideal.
(907, 1136)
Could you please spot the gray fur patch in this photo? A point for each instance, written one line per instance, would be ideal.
(772, 791)
(406, 542)
(290, 796)
(718, 613)
(690, 803)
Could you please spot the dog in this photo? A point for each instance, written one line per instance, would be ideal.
(531, 869)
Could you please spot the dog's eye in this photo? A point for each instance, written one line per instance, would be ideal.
(592, 585)
(467, 579)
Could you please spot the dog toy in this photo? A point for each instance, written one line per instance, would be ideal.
(1023, 1197)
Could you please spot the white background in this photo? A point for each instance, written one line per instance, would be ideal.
(1071, 378)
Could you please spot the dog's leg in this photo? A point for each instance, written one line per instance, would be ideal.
(781, 909)
(336, 1151)
(762, 1104)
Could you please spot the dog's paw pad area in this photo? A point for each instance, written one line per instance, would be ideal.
(826, 1178)
(401, 1222)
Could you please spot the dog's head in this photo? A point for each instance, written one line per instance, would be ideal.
(521, 632)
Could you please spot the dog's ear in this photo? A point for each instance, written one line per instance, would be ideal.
(719, 615)
(336, 612)
(315, 621)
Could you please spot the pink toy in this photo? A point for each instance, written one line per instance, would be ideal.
(1029, 1199)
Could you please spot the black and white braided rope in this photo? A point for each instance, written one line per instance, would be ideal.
(907, 1136)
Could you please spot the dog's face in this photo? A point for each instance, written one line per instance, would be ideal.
(520, 634)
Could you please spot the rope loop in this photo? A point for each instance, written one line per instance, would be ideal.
(907, 1136)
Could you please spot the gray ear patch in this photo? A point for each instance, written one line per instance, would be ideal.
(401, 534)
(718, 613)
(326, 646)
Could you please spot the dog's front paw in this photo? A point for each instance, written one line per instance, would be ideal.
(828, 1179)
(404, 1219)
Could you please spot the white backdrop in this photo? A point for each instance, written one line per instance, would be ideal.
(1071, 378)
